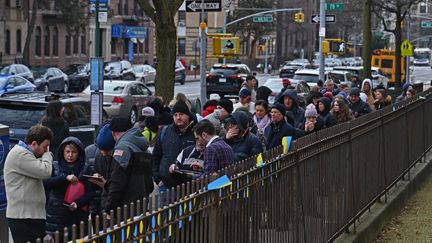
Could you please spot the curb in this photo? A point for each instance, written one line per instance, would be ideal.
(372, 222)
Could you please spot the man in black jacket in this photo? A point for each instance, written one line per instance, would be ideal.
(357, 106)
(130, 178)
(170, 141)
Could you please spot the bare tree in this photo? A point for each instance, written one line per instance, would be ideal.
(394, 11)
(162, 13)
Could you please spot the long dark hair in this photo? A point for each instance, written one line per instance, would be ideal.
(53, 112)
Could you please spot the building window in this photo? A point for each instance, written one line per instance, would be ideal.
(55, 42)
(67, 45)
(181, 46)
(75, 44)
(38, 41)
(7, 3)
(8, 42)
(83, 44)
(113, 47)
(423, 8)
(18, 41)
(146, 45)
(47, 42)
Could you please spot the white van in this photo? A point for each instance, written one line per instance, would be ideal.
(311, 76)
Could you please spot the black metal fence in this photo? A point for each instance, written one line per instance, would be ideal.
(312, 194)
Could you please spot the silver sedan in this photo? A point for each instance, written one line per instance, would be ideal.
(124, 98)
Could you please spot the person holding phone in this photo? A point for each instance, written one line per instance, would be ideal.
(26, 165)
(69, 169)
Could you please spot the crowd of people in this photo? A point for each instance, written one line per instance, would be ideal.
(52, 181)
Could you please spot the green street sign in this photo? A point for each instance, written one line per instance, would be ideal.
(261, 19)
(426, 24)
(335, 6)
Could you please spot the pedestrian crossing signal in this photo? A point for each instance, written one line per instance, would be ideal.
(299, 17)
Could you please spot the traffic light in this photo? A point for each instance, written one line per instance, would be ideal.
(333, 46)
(299, 17)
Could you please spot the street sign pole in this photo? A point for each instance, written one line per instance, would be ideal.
(321, 38)
(407, 70)
(203, 54)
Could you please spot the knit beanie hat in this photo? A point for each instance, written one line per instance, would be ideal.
(120, 124)
(311, 111)
(329, 95)
(227, 105)
(105, 140)
(280, 108)
(180, 106)
(147, 111)
(164, 118)
(354, 91)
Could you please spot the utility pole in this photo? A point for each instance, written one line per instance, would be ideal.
(266, 55)
(322, 31)
(203, 54)
(97, 32)
(407, 70)
(226, 11)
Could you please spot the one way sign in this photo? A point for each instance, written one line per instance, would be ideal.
(330, 18)
(209, 6)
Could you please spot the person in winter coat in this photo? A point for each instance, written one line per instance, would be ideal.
(26, 166)
(54, 120)
(279, 128)
(101, 168)
(183, 171)
(243, 142)
(324, 107)
(357, 106)
(209, 107)
(367, 89)
(405, 88)
(170, 141)
(291, 103)
(217, 118)
(69, 169)
(340, 110)
(382, 99)
(131, 166)
(313, 122)
(250, 85)
(261, 119)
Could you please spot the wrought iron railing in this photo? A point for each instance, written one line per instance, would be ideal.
(312, 194)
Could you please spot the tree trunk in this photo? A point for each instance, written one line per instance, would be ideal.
(253, 49)
(367, 36)
(26, 51)
(166, 49)
(398, 42)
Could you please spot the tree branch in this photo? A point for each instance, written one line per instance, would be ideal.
(148, 9)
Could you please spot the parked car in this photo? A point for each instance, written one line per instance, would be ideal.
(288, 70)
(50, 79)
(144, 73)
(20, 111)
(226, 79)
(180, 73)
(78, 75)
(119, 70)
(17, 69)
(13, 84)
(123, 98)
(275, 84)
